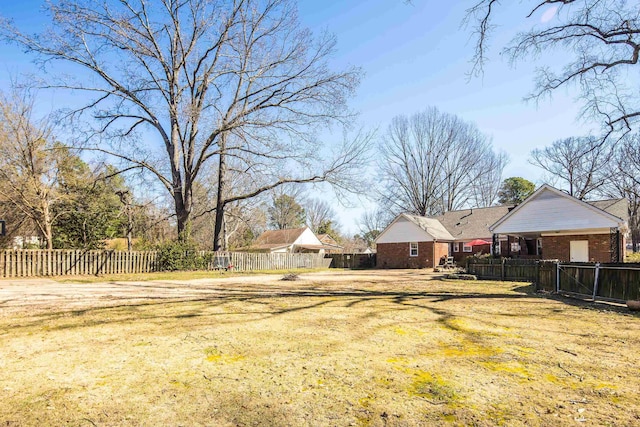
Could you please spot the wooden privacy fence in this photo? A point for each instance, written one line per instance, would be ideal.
(57, 262)
(352, 260)
(596, 281)
(504, 269)
(245, 261)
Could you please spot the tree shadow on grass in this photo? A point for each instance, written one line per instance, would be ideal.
(263, 301)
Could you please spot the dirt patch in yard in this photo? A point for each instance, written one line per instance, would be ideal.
(370, 348)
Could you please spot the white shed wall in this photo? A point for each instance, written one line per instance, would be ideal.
(404, 230)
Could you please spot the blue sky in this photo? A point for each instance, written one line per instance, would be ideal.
(414, 56)
(417, 55)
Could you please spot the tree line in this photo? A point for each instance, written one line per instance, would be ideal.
(201, 117)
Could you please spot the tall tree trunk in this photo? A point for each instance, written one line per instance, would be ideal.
(182, 216)
(222, 169)
(129, 229)
(181, 185)
(47, 227)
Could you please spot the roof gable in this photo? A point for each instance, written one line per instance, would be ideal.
(412, 228)
(549, 209)
(326, 239)
(277, 238)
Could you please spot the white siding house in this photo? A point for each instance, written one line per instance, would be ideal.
(566, 228)
(551, 211)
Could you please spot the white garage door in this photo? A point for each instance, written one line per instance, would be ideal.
(579, 251)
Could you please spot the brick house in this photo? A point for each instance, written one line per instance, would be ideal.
(412, 241)
(549, 224)
(566, 228)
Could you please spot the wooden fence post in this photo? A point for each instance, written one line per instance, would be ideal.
(502, 270)
(558, 277)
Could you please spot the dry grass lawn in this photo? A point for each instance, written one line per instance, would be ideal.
(379, 348)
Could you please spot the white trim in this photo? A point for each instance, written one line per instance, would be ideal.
(536, 193)
(582, 232)
(411, 249)
(456, 246)
(426, 237)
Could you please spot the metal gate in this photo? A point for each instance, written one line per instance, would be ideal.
(613, 283)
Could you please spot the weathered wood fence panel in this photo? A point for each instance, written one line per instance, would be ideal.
(547, 276)
(503, 269)
(352, 260)
(596, 281)
(35, 263)
(38, 263)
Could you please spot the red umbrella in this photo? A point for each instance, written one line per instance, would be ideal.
(478, 242)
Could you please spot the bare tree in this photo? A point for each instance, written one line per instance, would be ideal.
(576, 165)
(430, 162)
(242, 218)
(208, 81)
(599, 38)
(372, 223)
(623, 180)
(319, 212)
(28, 166)
(486, 188)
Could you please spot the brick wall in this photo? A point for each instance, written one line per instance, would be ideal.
(479, 249)
(396, 255)
(558, 247)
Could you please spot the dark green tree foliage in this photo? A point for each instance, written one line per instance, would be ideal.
(90, 212)
(181, 255)
(514, 190)
(327, 227)
(285, 212)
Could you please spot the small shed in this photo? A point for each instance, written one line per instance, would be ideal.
(567, 228)
(412, 241)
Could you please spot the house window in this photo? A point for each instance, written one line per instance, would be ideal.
(456, 247)
(466, 247)
(539, 247)
(413, 249)
(515, 247)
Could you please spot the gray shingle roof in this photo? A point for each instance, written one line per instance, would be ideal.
(616, 207)
(431, 226)
(469, 224)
